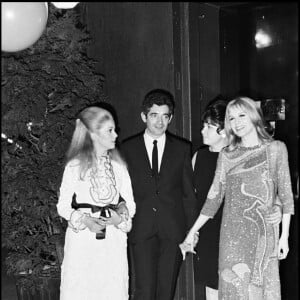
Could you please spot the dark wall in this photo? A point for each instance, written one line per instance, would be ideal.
(272, 72)
(134, 45)
(204, 30)
(225, 60)
(214, 57)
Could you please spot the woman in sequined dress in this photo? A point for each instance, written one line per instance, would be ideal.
(251, 173)
(95, 269)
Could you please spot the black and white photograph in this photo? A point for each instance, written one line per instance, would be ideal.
(149, 151)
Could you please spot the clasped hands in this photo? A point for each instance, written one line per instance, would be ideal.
(189, 243)
(98, 224)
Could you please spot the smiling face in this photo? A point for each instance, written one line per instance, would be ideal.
(103, 134)
(157, 120)
(240, 122)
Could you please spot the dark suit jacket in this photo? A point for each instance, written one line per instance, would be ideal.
(167, 207)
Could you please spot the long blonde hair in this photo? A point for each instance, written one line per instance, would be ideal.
(82, 147)
(256, 116)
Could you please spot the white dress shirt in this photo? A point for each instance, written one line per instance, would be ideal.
(161, 141)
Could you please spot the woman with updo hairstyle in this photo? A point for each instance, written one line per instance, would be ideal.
(96, 199)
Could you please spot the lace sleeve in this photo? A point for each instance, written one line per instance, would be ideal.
(75, 221)
(126, 223)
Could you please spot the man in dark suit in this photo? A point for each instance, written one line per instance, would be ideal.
(161, 175)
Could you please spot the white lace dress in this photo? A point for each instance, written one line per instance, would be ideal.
(95, 269)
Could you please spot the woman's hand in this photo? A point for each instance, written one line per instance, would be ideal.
(192, 238)
(189, 243)
(93, 224)
(114, 219)
(283, 247)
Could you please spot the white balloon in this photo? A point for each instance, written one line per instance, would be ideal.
(65, 5)
(22, 24)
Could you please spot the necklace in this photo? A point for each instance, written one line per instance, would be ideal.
(249, 148)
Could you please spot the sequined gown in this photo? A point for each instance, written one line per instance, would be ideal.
(94, 269)
(248, 180)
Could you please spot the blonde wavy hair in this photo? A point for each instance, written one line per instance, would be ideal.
(255, 114)
(81, 146)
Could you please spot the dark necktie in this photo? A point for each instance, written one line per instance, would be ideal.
(155, 159)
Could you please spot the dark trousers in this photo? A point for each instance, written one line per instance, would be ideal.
(156, 266)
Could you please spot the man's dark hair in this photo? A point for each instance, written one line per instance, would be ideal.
(158, 97)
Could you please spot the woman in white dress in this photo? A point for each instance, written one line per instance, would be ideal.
(95, 177)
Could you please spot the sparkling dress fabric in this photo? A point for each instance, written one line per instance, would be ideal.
(248, 180)
(94, 269)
